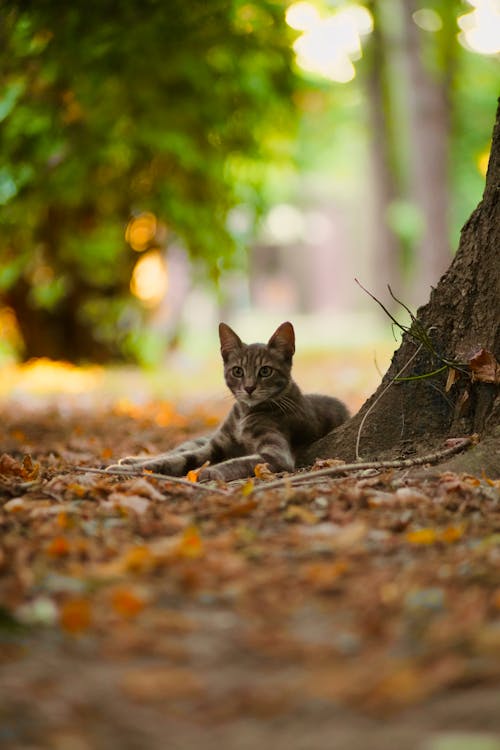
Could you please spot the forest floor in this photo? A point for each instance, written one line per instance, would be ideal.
(356, 613)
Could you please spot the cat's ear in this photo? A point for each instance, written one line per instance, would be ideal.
(283, 339)
(229, 340)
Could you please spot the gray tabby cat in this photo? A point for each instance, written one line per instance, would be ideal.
(269, 423)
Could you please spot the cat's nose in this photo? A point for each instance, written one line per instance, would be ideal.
(250, 389)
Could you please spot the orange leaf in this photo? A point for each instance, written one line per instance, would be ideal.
(30, 470)
(58, 547)
(191, 544)
(262, 471)
(192, 476)
(451, 534)
(77, 489)
(126, 602)
(75, 616)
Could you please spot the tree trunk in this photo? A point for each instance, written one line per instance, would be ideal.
(387, 250)
(430, 129)
(461, 318)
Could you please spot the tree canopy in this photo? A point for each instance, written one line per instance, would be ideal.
(111, 110)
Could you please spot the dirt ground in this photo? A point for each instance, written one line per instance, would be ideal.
(357, 612)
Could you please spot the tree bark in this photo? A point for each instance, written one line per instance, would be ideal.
(461, 318)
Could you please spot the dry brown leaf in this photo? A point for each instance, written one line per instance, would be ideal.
(453, 376)
(484, 367)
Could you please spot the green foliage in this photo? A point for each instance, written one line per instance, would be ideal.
(109, 109)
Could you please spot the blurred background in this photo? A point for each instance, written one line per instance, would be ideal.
(166, 165)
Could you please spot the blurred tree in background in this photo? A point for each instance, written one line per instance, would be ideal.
(125, 126)
(110, 110)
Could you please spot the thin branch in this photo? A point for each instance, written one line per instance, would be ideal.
(403, 463)
(147, 475)
(396, 322)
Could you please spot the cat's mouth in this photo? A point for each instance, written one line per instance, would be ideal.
(250, 399)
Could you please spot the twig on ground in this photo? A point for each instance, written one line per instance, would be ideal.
(402, 463)
(148, 475)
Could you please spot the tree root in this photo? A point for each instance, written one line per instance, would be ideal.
(404, 463)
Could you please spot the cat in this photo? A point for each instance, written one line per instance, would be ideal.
(269, 423)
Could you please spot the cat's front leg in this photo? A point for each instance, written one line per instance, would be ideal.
(272, 448)
(176, 463)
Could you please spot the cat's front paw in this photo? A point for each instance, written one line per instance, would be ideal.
(211, 473)
(131, 460)
(123, 468)
(137, 463)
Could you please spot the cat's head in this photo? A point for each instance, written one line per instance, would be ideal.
(257, 372)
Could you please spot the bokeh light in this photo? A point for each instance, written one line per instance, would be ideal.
(149, 281)
(328, 46)
(428, 19)
(480, 29)
(141, 231)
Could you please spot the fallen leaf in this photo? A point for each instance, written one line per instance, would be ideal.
(75, 615)
(127, 602)
(262, 471)
(453, 375)
(58, 547)
(192, 476)
(421, 536)
(484, 367)
(451, 534)
(138, 559)
(190, 544)
(248, 487)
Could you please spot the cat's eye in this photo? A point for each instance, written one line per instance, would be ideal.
(265, 371)
(237, 372)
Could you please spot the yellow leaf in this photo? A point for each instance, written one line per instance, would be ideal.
(431, 536)
(247, 488)
(190, 544)
(422, 536)
(138, 559)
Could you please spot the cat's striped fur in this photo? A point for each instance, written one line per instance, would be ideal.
(269, 423)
